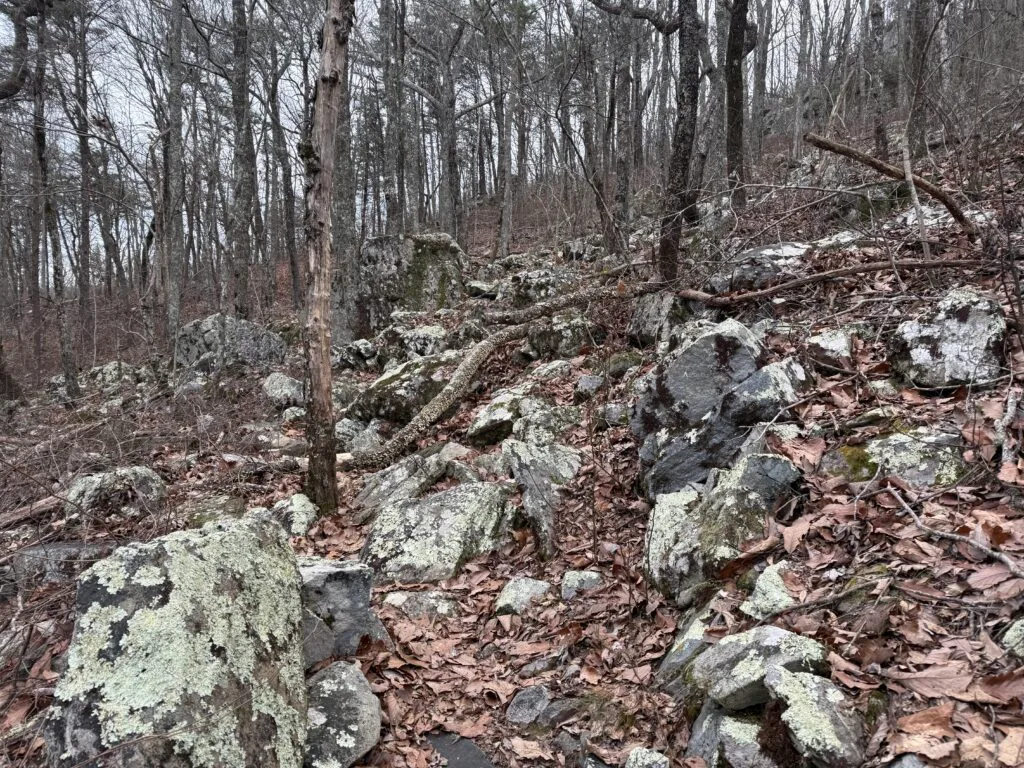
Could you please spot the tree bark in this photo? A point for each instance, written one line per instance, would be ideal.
(243, 166)
(734, 106)
(320, 161)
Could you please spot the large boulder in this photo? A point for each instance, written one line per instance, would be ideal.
(344, 717)
(566, 336)
(495, 420)
(243, 342)
(414, 272)
(654, 317)
(758, 267)
(125, 492)
(402, 392)
(187, 651)
(959, 342)
(397, 345)
(689, 535)
(429, 539)
(922, 457)
(524, 289)
(284, 391)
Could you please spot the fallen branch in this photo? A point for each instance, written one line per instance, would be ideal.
(944, 197)
(1014, 568)
(544, 308)
(30, 511)
(453, 391)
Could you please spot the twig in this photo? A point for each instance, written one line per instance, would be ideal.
(1002, 557)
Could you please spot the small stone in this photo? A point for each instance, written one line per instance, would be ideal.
(344, 717)
(833, 348)
(646, 758)
(770, 595)
(292, 415)
(423, 605)
(519, 593)
(457, 751)
(556, 369)
(587, 386)
(574, 582)
(527, 705)
(283, 391)
(296, 513)
(611, 415)
(538, 667)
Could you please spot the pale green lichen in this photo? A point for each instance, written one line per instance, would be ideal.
(1013, 640)
(810, 728)
(167, 667)
(770, 595)
(740, 730)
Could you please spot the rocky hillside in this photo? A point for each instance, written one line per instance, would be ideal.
(772, 522)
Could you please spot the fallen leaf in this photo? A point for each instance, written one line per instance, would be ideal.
(938, 681)
(528, 750)
(1011, 748)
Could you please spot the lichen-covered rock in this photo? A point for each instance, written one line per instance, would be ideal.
(338, 593)
(243, 342)
(406, 479)
(542, 472)
(646, 758)
(820, 720)
(833, 348)
(922, 457)
(55, 562)
(494, 421)
(528, 705)
(566, 336)
(209, 509)
(765, 394)
(654, 316)
(685, 537)
(429, 539)
(519, 593)
(770, 595)
(719, 738)
(758, 267)
(551, 370)
(396, 344)
(587, 386)
(527, 288)
(401, 393)
(611, 415)
(733, 671)
(423, 605)
(283, 391)
(126, 492)
(186, 652)
(574, 582)
(344, 717)
(961, 342)
(356, 355)
(541, 424)
(1013, 638)
(689, 643)
(296, 513)
(690, 383)
(291, 416)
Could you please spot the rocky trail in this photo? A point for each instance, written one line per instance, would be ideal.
(787, 530)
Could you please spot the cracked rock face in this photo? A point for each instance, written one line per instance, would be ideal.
(193, 638)
(542, 472)
(402, 392)
(960, 342)
(344, 717)
(429, 539)
(244, 342)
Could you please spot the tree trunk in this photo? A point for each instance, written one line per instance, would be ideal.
(734, 107)
(875, 73)
(174, 232)
(243, 167)
(284, 161)
(320, 160)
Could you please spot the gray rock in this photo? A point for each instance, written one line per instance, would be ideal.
(654, 316)
(338, 593)
(833, 347)
(344, 392)
(766, 394)
(960, 342)
(733, 671)
(574, 582)
(758, 267)
(125, 492)
(555, 369)
(401, 393)
(543, 424)
(528, 705)
(686, 536)
(423, 605)
(611, 415)
(283, 391)
(57, 562)
(396, 344)
(527, 288)
(770, 595)
(344, 717)
(719, 738)
(430, 539)
(357, 355)
(296, 513)
(457, 751)
(292, 415)
(689, 384)
(587, 386)
(906, 761)
(199, 512)
(494, 421)
(820, 720)
(541, 473)
(406, 479)
(689, 643)
(244, 342)
(565, 337)
(195, 627)
(646, 758)
(519, 593)
(480, 289)
(1013, 638)
(922, 457)
(580, 250)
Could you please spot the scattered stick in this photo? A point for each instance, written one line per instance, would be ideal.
(31, 511)
(944, 197)
(1002, 557)
(453, 391)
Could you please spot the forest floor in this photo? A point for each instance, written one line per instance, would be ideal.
(925, 632)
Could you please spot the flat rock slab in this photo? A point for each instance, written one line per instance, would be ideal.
(519, 594)
(733, 672)
(406, 479)
(575, 582)
(528, 705)
(423, 605)
(459, 752)
(429, 539)
(243, 341)
(541, 472)
(344, 717)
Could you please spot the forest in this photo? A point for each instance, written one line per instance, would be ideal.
(512, 383)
